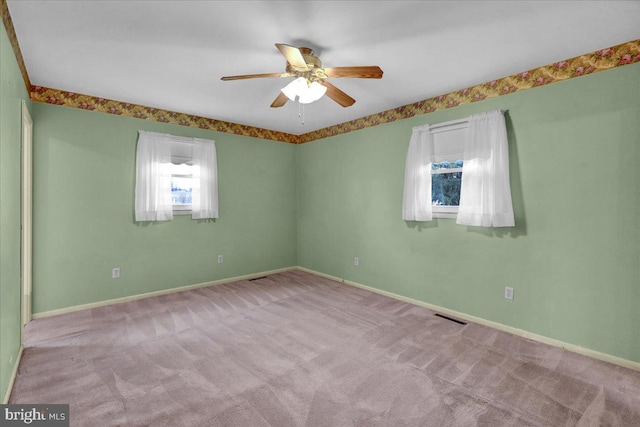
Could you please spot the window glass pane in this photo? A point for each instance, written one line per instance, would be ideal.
(181, 184)
(181, 188)
(445, 187)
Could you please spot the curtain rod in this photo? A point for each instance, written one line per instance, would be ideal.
(452, 123)
(178, 138)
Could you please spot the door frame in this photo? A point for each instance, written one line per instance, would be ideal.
(26, 238)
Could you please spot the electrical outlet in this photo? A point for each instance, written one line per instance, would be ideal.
(115, 273)
(508, 293)
(356, 261)
(220, 259)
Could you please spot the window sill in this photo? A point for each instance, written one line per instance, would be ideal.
(440, 215)
(182, 209)
(444, 211)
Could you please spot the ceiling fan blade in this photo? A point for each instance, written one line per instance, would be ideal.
(253, 76)
(362, 72)
(280, 100)
(293, 55)
(337, 95)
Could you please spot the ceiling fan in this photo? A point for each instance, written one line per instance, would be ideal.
(307, 69)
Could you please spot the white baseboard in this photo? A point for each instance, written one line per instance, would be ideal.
(12, 378)
(499, 326)
(156, 293)
(495, 325)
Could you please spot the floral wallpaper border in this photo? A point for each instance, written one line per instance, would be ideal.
(604, 59)
(600, 60)
(92, 103)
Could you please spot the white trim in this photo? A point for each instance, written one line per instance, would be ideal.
(442, 211)
(181, 212)
(443, 171)
(495, 325)
(12, 378)
(182, 209)
(156, 293)
(26, 221)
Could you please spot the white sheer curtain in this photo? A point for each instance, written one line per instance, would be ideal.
(416, 201)
(204, 202)
(485, 195)
(154, 157)
(153, 178)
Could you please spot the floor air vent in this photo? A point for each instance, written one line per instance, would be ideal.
(459, 322)
(257, 278)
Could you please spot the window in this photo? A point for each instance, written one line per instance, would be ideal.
(181, 188)
(433, 178)
(446, 168)
(182, 172)
(446, 179)
(175, 174)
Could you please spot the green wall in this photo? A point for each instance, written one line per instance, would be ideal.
(573, 258)
(574, 255)
(84, 170)
(12, 92)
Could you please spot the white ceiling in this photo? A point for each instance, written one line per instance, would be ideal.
(171, 54)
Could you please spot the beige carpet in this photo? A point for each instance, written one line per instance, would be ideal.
(298, 350)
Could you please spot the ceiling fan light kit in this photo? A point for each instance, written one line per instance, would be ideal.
(307, 91)
(310, 78)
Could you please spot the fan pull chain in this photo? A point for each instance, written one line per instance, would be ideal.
(301, 112)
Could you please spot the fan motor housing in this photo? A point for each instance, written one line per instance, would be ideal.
(313, 62)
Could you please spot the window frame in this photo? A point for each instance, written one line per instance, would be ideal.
(177, 160)
(446, 211)
(181, 209)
